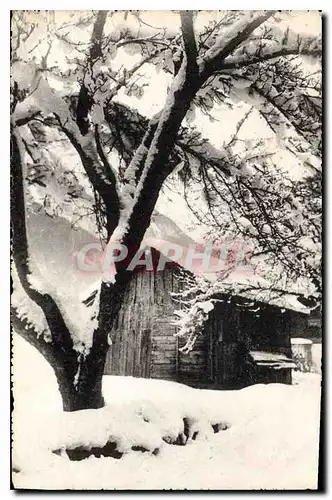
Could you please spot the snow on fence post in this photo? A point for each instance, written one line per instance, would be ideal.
(302, 354)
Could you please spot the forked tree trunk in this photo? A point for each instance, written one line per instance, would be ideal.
(79, 378)
(83, 389)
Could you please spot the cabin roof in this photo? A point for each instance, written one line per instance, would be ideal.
(245, 283)
(241, 282)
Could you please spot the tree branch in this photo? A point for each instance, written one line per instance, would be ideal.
(85, 99)
(288, 117)
(189, 41)
(99, 172)
(26, 330)
(64, 364)
(213, 59)
(97, 35)
(241, 62)
(131, 125)
(199, 152)
(135, 168)
(27, 118)
(157, 166)
(55, 321)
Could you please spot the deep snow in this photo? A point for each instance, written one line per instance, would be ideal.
(271, 441)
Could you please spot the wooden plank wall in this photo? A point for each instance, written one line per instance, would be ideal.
(144, 344)
(131, 347)
(164, 343)
(193, 367)
(143, 338)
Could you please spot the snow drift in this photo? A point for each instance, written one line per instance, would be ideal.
(268, 439)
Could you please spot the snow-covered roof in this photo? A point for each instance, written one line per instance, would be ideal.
(252, 286)
(282, 300)
(242, 281)
(273, 360)
(300, 341)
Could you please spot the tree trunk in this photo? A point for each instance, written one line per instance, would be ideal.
(79, 377)
(84, 389)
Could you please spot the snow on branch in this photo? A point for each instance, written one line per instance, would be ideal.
(131, 131)
(20, 32)
(37, 98)
(156, 165)
(26, 328)
(87, 99)
(54, 318)
(231, 39)
(281, 114)
(268, 54)
(25, 112)
(192, 322)
(196, 302)
(99, 172)
(277, 216)
(89, 116)
(273, 43)
(28, 314)
(135, 168)
(202, 151)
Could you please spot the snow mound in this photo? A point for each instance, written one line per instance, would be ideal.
(95, 428)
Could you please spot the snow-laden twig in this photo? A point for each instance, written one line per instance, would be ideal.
(232, 38)
(281, 43)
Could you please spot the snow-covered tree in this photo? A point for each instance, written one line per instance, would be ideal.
(70, 90)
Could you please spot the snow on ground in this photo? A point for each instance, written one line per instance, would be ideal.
(317, 357)
(271, 441)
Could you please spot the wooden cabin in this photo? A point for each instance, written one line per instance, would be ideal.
(238, 347)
